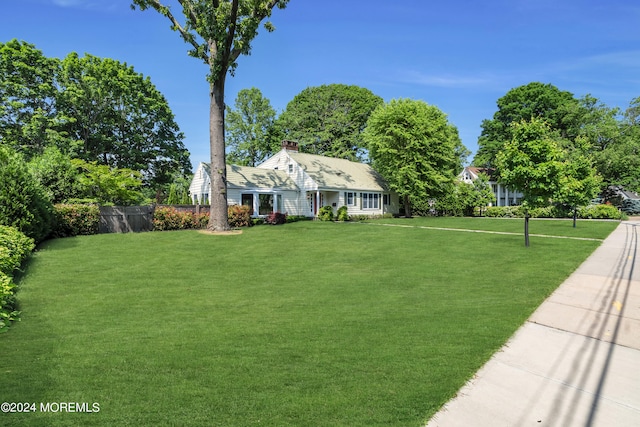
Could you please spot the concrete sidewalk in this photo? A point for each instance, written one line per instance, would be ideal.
(576, 361)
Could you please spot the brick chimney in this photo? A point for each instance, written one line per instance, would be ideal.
(290, 145)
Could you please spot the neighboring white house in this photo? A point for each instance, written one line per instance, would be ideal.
(298, 184)
(504, 195)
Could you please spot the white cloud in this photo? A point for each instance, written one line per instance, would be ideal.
(69, 3)
(445, 80)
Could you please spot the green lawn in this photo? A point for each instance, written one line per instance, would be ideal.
(306, 324)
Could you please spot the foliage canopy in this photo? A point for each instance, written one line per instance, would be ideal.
(413, 145)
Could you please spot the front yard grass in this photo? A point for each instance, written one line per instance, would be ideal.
(306, 324)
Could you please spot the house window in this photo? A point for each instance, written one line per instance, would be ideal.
(385, 200)
(247, 200)
(290, 168)
(370, 201)
(350, 199)
(266, 204)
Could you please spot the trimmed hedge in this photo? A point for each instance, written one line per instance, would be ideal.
(75, 219)
(169, 218)
(585, 212)
(15, 247)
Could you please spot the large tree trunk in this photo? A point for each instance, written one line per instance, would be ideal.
(218, 218)
(407, 206)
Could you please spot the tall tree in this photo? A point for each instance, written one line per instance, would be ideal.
(534, 100)
(27, 98)
(532, 164)
(579, 182)
(619, 161)
(247, 128)
(219, 31)
(413, 145)
(120, 119)
(329, 120)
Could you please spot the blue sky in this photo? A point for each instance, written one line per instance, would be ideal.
(459, 55)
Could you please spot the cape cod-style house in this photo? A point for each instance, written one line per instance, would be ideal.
(504, 195)
(299, 184)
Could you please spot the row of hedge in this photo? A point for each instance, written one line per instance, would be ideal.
(584, 212)
(15, 247)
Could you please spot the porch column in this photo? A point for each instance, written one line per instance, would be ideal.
(506, 192)
(317, 204)
(498, 194)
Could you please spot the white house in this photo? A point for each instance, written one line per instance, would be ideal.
(504, 195)
(299, 183)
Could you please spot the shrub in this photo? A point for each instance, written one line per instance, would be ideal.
(325, 213)
(551, 212)
(168, 218)
(8, 312)
(631, 207)
(504, 212)
(239, 216)
(276, 218)
(343, 214)
(23, 202)
(360, 217)
(75, 219)
(201, 220)
(600, 212)
(296, 218)
(15, 247)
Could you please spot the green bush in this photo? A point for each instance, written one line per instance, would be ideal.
(551, 212)
(75, 219)
(504, 212)
(15, 247)
(23, 202)
(8, 312)
(239, 216)
(325, 213)
(296, 218)
(600, 212)
(343, 214)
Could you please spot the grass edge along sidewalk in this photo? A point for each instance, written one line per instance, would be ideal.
(304, 324)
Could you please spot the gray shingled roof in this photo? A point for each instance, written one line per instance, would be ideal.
(329, 172)
(249, 177)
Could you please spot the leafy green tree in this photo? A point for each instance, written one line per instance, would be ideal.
(534, 100)
(109, 186)
(28, 117)
(23, 202)
(619, 161)
(413, 145)
(90, 108)
(219, 32)
(56, 174)
(579, 182)
(532, 164)
(247, 128)
(120, 119)
(481, 194)
(329, 120)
